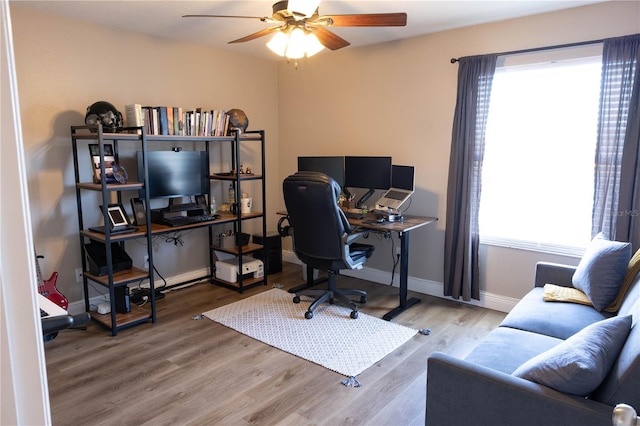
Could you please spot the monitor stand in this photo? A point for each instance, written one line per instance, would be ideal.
(176, 205)
(364, 198)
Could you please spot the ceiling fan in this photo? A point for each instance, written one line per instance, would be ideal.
(302, 31)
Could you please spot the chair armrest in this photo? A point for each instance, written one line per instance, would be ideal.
(553, 273)
(352, 236)
(461, 393)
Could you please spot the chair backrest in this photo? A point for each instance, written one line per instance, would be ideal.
(319, 225)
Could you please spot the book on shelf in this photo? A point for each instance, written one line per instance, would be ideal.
(164, 123)
(96, 161)
(134, 115)
(170, 126)
(176, 121)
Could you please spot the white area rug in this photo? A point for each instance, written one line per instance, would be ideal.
(331, 338)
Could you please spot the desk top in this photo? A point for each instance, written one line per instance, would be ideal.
(408, 223)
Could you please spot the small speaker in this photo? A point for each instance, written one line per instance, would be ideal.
(139, 212)
(273, 245)
(123, 299)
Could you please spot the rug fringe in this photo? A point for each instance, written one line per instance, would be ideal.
(352, 381)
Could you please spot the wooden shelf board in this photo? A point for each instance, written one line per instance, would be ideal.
(137, 314)
(246, 249)
(120, 277)
(110, 186)
(247, 282)
(234, 177)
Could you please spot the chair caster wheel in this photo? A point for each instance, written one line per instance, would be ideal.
(332, 301)
(354, 314)
(363, 299)
(296, 299)
(308, 315)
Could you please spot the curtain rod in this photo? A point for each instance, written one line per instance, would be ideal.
(538, 49)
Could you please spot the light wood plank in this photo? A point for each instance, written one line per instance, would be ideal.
(186, 371)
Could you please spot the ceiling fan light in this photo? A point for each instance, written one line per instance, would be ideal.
(278, 43)
(313, 45)
(305, 8)
(297, 44)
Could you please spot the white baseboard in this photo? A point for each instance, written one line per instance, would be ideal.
(78, 307)
(432, 288)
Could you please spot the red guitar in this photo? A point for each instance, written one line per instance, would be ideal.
(48, 288)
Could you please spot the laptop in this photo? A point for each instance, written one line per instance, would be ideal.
(118, 221)
(402, 181)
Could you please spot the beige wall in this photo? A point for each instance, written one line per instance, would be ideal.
(398, 99)
(64, 65)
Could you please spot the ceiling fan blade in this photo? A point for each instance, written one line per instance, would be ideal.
(262, 18)
(368, 20)
(254, 36)
(330, 40)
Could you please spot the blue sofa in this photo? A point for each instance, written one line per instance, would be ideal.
(481, 389)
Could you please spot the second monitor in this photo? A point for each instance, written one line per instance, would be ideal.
(367, 172)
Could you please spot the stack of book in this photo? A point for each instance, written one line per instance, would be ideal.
(176, 121)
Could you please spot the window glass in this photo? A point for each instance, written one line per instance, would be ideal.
(538, 171)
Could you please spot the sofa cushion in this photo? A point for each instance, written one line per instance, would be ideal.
(623, 382)
(601, 270)
(579, 364)
(505, 349)
(555, 319)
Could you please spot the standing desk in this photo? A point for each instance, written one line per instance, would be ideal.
(408, 224)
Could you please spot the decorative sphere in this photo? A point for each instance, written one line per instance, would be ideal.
(238, 119)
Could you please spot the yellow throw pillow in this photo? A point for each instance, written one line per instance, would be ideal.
(556, 293)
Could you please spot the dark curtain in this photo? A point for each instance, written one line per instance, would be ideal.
(475, 76)
(616, 210)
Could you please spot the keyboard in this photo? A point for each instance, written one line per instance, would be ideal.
(187, 220)
(353, 215)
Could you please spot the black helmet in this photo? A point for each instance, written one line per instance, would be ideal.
(104, 113)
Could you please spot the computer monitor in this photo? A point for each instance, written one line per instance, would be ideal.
(367, 172)
(330, 166)
(402, 177)
(402, 181)
(175, 174)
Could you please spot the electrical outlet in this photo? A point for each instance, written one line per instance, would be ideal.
(397, 251)
(146, 262)
(79, 275)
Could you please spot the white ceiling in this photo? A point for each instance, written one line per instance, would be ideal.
(163, 18)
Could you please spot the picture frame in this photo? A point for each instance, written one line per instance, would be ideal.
(117, 216)
(109, 161)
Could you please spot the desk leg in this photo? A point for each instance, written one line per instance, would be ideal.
(404, 273)
(310, 282)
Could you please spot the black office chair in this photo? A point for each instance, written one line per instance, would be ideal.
(322, 236)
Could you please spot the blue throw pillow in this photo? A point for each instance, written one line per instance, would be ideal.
(601, 270)
(578, 365)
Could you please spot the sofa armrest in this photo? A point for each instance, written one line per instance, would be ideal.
(461, 393)
(553, 273)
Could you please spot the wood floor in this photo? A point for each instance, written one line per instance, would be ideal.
(185, 371)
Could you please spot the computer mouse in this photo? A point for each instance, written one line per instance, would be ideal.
(216, 216)
(380, 219)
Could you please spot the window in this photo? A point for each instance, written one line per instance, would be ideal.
(538, 171)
